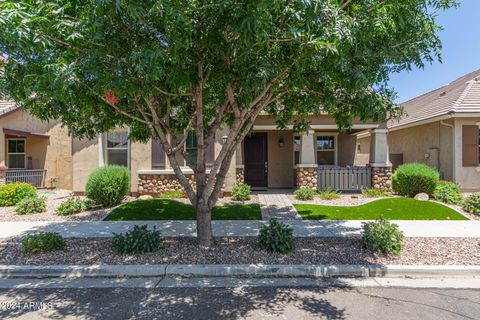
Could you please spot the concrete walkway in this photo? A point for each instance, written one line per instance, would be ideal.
(302, 228)
(277, 205)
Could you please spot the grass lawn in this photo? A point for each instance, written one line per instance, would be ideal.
(164, 209)
(392, 209)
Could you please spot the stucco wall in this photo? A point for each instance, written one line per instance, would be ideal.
(140, 159)
(467, 177)
(362, 156)
(85, 160)
(347, 144)
(280, 159)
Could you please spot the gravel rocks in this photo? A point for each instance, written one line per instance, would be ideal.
(434, 251)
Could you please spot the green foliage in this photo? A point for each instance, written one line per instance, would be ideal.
(276, 237)
(448, 192)
(412, 178)
(73, 206)
(173, 194)
(42, 242)
(329, 194)
(471, 203)
(11, 194)
(382, 236)
(107, 186)
(241, 192)
(304, 193)
(374, 193)
(31, 205)
(136, 241)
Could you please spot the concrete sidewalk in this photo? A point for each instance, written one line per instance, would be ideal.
(302, 228)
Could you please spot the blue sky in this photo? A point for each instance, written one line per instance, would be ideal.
(460, 54)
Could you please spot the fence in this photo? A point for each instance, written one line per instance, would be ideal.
(345, 179)
(34, 177)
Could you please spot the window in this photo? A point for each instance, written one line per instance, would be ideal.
(117, 147)
(297, 145)
(326, 150)
(191, 149)
(16, 153)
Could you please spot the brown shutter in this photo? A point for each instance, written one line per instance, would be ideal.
(210, 156)
(470, 146)
(158, 155)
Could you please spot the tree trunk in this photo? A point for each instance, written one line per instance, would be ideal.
(204, 225)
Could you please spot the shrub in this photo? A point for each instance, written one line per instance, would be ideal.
(241, 192)
(374, 193)
(73, 206)
(328, 194)
(31, 205)
(304, 193)
(471, 203)
(11, 194)
(42, 242)
(412, 178)
(136, 241)
(172, 194)
(277, 237)
(107, 186)
(382, 236)
(448, 192)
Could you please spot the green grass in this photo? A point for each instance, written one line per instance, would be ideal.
(393, 209)
(164, 209)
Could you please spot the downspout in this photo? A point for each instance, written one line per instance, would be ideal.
(452, 127)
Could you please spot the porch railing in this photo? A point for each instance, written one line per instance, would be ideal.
(345, 179)
(35, 177)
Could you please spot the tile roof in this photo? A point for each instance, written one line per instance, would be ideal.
(7, 106)
(460, 96)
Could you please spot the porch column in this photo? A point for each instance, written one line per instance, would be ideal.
(307, 168)
(240, 168)
(379, 160)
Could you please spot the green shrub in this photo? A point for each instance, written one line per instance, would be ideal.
(11, 194)
(354, 196)
(31, 205)
(328, 194)
(107, 186)
(276, 237)
(241, 192)
(42, 242)
(382, 236)
(412, 178)
(172, 194)
(304, 193)
(471, 203)
(374, 193)
(136, 241)
(73, 206)
(448, 192)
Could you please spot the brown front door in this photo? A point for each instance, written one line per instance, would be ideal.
(255, 148)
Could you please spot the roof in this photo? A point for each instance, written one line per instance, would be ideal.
(7, 106)
(460, 96)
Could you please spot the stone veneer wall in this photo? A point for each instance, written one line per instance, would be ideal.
(382, 178)
(307, 177)
(240, 176)
(156, 183)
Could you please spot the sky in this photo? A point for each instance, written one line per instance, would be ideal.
(460, 53)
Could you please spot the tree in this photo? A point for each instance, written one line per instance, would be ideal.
(164, 68)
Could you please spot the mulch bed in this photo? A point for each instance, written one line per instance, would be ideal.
(434, 251)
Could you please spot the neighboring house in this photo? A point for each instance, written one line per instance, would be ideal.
(440, 129)
(268, 158)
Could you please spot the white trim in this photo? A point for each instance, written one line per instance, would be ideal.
(314, 126)
(380, 165)
(306, 165)
(106, 148)
(25, 164)
(380, 130)
(185, 170)
(101, 151)
(240, 166)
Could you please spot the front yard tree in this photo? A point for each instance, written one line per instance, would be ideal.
(165, 68)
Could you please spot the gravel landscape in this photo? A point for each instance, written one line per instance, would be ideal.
(434, 251)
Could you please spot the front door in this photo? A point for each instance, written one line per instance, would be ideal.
(255, 148)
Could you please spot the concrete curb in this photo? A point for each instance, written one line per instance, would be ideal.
(240, 270)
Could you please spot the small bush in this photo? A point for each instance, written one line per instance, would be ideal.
(172, 194)
(73, 206)
(304, 193)
(42, 242)
(374, 193)
(241, 192)
(31, 205)
(382, 236)
(354, 196)
(11, 194)
(136, 241)
(277, 237)
(107, 186)
(412, 178)
(447, 192)
(471, 203)
(328, 194)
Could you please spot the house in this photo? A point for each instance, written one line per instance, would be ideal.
(440, 129)
(267, 158)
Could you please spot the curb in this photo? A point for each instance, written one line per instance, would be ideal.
(240, 270)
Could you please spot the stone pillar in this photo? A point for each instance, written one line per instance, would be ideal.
(3, 174)
(379, 160)
(307, 169)
(240, 167)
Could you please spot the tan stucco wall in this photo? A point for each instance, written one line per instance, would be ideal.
(467, 177)
(362, 156)
(85, 160)
(52, 154)
(140, 159)
(280, 159)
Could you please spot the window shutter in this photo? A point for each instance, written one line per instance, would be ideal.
(158, 155)
(210, 156)
(470, 146)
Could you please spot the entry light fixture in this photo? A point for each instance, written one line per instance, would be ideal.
(281, 143)
(224, 139)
